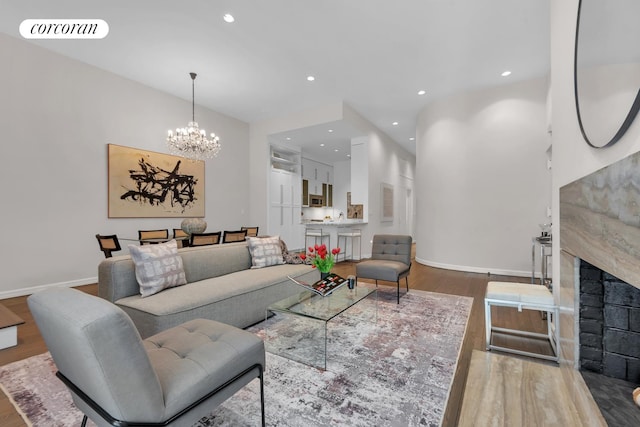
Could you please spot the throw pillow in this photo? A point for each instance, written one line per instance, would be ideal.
(265, 251)
(158, 267)
(289, 258)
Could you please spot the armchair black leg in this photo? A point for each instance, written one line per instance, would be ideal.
(262, 397)
(84, 421)
(407, 279)
(398, 283)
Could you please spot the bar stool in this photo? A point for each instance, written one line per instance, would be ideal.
(349, 234)
(316, 233)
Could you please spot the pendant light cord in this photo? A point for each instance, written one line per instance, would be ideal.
(193, 96)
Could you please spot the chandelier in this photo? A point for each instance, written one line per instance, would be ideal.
(191, 141)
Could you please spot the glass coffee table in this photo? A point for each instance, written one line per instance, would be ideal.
(296, 327)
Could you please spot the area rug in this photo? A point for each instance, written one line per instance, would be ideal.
(396, 371)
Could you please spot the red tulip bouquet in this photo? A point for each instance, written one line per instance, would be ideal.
(319, 257)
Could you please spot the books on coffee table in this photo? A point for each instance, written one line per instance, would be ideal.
(322, 287)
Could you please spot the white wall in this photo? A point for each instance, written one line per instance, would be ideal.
(482, 180)
(57, 116)
(390, 164)
(572, 157)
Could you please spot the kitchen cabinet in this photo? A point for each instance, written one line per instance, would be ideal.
(285, 188)
(317, 179)
(327, 195)
(285, 205)
(305, 192)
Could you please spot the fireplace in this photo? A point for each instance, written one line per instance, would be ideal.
(609, 325)
(599, 292)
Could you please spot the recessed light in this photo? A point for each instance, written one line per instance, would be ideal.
(348, 155)
(395, 123)
(336, 150)
(228, 18)
(506, 73)
(330, 130)
(412, 139)
(288, 138)
(310, 78)
(321, 145)
(422, 92)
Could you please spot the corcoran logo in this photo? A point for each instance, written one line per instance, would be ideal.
(64, 29)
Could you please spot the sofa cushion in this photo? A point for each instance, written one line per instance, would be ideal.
(265, 251)
(215, 289)
(157, 267)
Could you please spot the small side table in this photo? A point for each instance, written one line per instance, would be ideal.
(544, 244)
(9, 322)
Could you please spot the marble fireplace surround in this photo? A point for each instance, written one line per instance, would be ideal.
(599, 223)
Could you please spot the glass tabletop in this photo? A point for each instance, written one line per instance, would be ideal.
(314, 306)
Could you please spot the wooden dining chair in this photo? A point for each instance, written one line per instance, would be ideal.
(203, 239)
(181, 237)
(152, 234)
(108, 244)
(234, 236)
(251, 231)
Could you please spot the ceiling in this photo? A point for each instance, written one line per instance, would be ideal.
(374, 55)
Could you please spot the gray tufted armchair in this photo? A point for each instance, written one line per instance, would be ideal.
(390, 260)
(173, 378)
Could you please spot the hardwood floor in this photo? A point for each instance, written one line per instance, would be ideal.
(422, 277)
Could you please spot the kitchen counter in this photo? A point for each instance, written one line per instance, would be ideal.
(344, 223)
(332, 228)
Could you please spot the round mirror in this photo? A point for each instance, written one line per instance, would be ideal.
(607, 69)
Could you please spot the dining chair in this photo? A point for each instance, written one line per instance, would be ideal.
(108, 244)
(152, 234)
(251, 231)
(203, 239)
(234, 236)
(181, 237)
(390, 260)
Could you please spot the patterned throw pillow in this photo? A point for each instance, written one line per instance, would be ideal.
(158, 267)
(265, 251)
(288, 257)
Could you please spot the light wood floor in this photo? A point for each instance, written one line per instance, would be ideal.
(422, 277)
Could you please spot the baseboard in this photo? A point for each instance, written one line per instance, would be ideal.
(28, 291)
(484, 270)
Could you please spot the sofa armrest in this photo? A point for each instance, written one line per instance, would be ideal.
(117, 278)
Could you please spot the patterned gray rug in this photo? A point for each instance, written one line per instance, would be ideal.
(395, 372)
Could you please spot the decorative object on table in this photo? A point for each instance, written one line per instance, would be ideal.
(321, 259)
(546, 230)
(193, 225)
(351, 279)
(192, 142)
(145, 184)
(325, 286)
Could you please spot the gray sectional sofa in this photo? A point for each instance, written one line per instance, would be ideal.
(220, 286)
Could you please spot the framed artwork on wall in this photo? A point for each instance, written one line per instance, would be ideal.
(386, 198)
(146, 184)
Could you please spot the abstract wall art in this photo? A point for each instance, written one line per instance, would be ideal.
(146, 184)
(386, 202)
